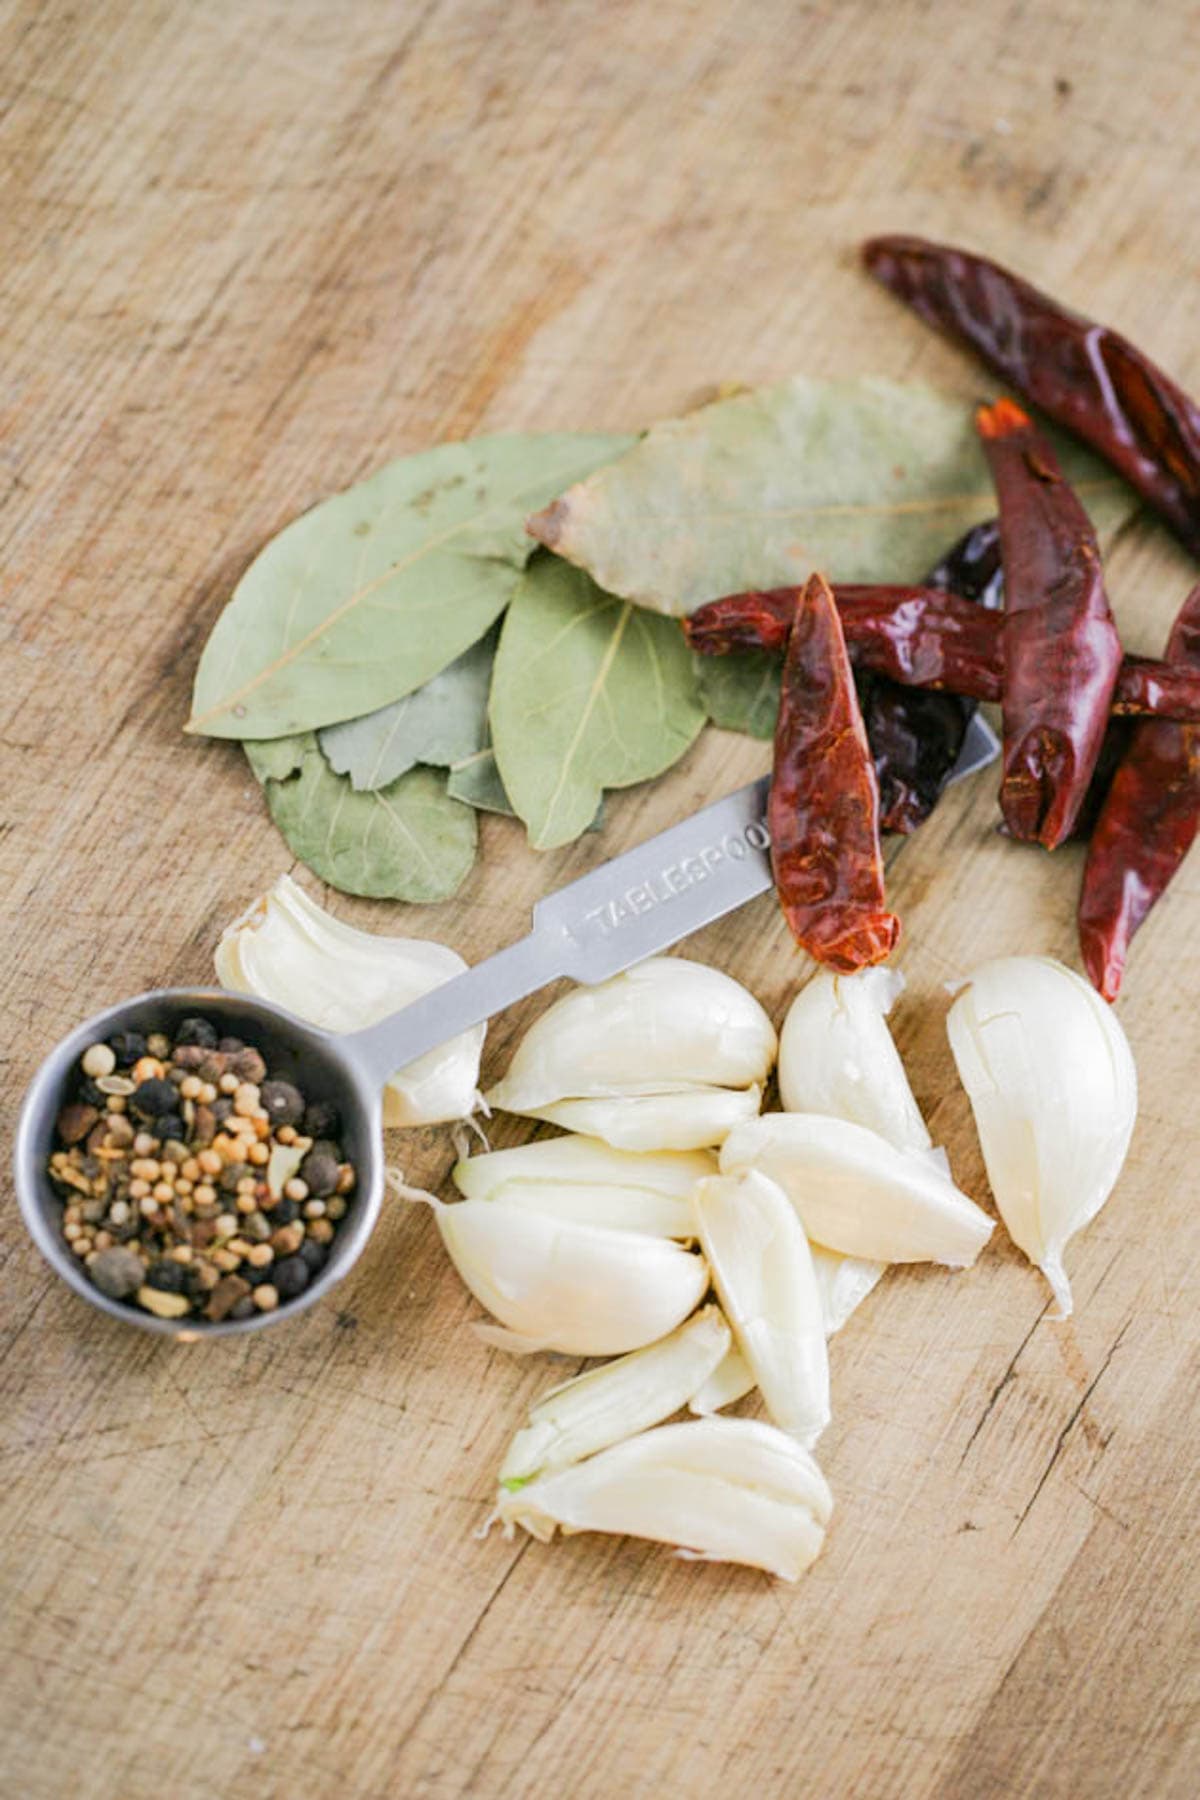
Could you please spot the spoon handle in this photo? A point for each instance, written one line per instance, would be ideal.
(629, 908)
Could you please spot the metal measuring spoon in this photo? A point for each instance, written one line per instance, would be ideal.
(629, 908)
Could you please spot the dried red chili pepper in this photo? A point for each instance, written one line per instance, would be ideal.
(920, 637)
(1062, 654)
(1082, 375)
(916, 734)
(1146, 825)
(823, 813)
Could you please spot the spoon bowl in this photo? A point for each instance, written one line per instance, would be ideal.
(324, 1067)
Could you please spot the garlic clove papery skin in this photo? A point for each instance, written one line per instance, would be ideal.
(1053, 1088)
(697, 1119)
(722, 1490)
(763, 1274)
(571, 1288)
(287, 949)
(857, 1194)
(843, 1283)
(837, 1057)
(580, 1161)
(666, 1025)
(618, 1400)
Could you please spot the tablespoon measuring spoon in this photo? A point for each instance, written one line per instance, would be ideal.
(629, 908)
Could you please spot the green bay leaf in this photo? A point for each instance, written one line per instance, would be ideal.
(740, 692)
(476, 780)
(370, 594)
(407, 841)
(866, 480)
(440, 724)
(588, 693)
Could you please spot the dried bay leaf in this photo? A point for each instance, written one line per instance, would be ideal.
(588, 692)
(274, 759)
(740, 692)
(440, 724)
(866, 479)
(476, 780)
(376, 590)
(407, 841)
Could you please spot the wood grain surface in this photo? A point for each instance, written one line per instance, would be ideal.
(250, 250)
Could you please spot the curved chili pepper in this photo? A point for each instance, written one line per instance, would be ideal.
(916, 735)
(921, 637)
(1146, 826)
(1061, 649)
(1082, 375)
(823, 811)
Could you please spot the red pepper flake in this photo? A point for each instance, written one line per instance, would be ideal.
(823, 813)
(1062, 654)
(1082, 375)
(1146, 826)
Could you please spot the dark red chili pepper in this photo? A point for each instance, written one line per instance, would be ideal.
(1082, 375)
(916, 735)
(823, 813)
(1062, 654)
(920, 637)
(1146, 825)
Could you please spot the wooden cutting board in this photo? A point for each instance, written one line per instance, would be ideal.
(250, 251)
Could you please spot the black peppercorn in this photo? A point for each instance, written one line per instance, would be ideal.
(291, 1275)
(127, 1046)
(153, 1097)
(312, 1253)
(90, 1094)
(243, 1308)
(282, 1103)
(321, 1119)
(320, 1172)
(170, 1277)
(283, 1211)
(170, 1125)
(197, 1031)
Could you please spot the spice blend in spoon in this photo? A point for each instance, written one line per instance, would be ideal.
(193, 1183)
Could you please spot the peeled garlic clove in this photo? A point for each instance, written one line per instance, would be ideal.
(586, 1180)
(613, 1209)
(763, 1274)
(731, 1380)
(573, 1288)
(582, 1161)
(616, 1401)
(1053, 1087)
(287, 949)
(693, 1120)
(836, 1056)
(843, 1283)
(665, 1024)
(856, 1193)
(724, 1490)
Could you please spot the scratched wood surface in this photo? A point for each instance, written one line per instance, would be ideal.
(249, 251)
